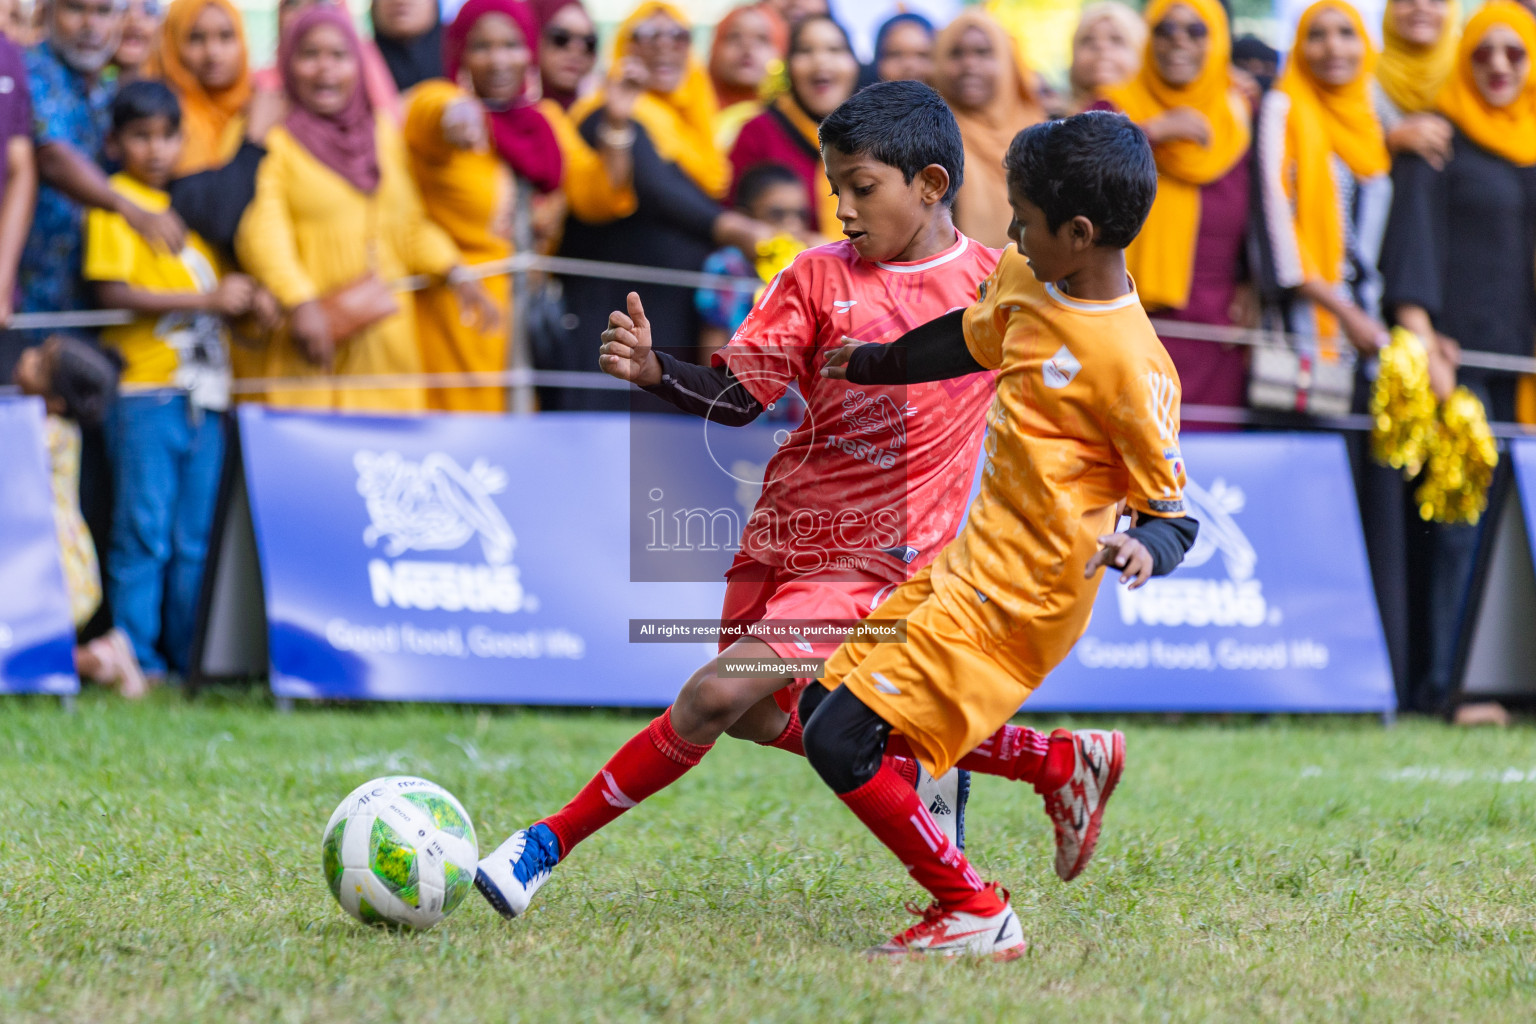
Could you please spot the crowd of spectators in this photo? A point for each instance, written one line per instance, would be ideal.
(252, 217)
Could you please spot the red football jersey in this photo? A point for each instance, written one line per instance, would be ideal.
(874, 479)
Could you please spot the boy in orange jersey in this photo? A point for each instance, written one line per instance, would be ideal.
(1086, 416)
(881, 494)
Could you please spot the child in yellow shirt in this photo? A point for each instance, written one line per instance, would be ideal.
(166, 431)
(1085, 422)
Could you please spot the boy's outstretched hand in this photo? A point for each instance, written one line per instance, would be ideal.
(1126, 553)
(836, 366)
(626, 349)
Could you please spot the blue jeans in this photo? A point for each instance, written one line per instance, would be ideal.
(166, 456)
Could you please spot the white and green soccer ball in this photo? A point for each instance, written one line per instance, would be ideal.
(399, 851)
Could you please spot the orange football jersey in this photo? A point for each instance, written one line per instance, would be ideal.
(1086, 414)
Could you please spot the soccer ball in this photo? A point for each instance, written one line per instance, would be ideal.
(399, 851)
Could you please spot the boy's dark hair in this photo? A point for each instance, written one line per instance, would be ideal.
(904, 124)
(1254, 48)
(1096, 165)
(760, 178)
(138, 100)
(85, 379)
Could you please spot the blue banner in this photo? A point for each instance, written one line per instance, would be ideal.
(1522, 454)
(1272, 609)
(500, 560)
(37, 635)
(459, 558)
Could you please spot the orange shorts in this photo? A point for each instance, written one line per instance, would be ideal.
(755, 592)
(947, 688)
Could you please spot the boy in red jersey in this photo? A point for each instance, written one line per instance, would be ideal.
(868, 488)
(1085, 422)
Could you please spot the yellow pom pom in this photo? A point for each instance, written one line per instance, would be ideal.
(1402, 405)
(775, 82)
(1462, 458)
(774, 255)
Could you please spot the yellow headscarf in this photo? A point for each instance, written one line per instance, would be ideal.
(210, 121)
(680, 124)
(1161, 259)
(1326, 120)
(1510, 131)
(1410, 75)
(981, 207)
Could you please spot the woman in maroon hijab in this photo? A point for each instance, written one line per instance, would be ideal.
(567, 49)
(335, 205)
(473, 138)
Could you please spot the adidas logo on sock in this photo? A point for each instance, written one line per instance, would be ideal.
(939, 806)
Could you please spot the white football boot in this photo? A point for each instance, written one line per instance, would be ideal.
(949, 933)
(945, 798)
(510, 876)
(1077, 808)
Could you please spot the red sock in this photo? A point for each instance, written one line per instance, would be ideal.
(789, 739)
(904, 767)
(1060, 759)
(1013, 752)
(892, 811)
(654, 759)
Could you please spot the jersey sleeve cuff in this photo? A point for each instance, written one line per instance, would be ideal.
(759, 385)
(1161, 508)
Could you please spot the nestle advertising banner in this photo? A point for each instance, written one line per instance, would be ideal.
(458, 558)
(1522, 453)
(37, 635)
(1272, 609)
(478, 559)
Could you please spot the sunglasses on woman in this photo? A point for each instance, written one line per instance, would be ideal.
(1168, 31)
(652, 36)
(562, 38)
(1485, 53)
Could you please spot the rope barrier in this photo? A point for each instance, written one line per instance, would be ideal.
(411, 381)
(63, 321)
(566, 266)
(522, 263)
(1248, 337)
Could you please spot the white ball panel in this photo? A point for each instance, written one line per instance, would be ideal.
(382, 799)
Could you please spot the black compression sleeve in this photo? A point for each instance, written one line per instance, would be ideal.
(1169, 540)
(844, 739)
(934, 351)
(712, 392)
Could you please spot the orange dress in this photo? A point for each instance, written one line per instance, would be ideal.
(470, 195)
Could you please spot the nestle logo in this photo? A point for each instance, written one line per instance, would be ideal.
(438, 505)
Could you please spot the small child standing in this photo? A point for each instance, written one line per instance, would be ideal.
(166, 431)
(76, 383)
(775, 195)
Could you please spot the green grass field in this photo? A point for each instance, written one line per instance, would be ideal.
(160, 862)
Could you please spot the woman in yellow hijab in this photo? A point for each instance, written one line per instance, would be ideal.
(1459, 267)
(980, 75)
(1460, 261)
(1420, 39)
(204, 58)
(1186, 261)
(1321, 153)
(653, 197)
(676, 108)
